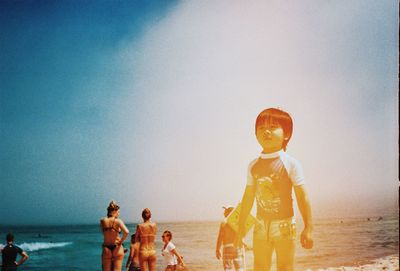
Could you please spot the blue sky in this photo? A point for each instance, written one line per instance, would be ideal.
(153, 104)
(57, 86)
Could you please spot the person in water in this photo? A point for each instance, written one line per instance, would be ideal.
(170, 254)
(113, 251)
(132, 264)
(146, 235)
(231, 255)
(9, 255)
(271, 179)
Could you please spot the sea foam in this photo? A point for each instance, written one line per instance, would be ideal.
(35, 246)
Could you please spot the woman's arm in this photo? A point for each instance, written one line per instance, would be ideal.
(125, 231)
(101, 224)
(137, 234)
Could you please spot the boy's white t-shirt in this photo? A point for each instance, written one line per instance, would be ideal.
(169, 257)
(274, 175)
(291, 165)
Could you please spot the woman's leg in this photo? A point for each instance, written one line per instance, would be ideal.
(152, 263)
(143, 263)
(118, 257)
(106, 258)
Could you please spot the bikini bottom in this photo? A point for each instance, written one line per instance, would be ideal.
(110, 247)
(147, 253)
(133, 267)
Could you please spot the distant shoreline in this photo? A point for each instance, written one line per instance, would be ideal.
(374, 217)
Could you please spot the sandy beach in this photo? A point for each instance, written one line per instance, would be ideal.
(388, 263)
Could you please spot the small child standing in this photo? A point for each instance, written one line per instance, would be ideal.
(271, 179)
(132, 263)
(231, 256)
(170, 254)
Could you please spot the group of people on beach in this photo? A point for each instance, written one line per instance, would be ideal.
(271, 180)
(142, 254)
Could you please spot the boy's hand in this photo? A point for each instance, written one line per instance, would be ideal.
(306, 239)
(218, 254)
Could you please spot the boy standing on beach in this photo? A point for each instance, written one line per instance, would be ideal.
(271, 179)
(231, 256)
(132, 264)
(9, 255)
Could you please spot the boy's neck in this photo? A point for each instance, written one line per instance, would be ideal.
(270, 155)
(268, 151)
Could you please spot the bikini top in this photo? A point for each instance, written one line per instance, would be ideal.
(111, 228)
(145, 234)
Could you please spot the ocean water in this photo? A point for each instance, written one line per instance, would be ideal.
(338, 242)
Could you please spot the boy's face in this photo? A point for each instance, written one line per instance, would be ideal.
(270, 136)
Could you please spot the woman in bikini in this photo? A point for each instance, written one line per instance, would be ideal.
(113, 251)
(145, 235)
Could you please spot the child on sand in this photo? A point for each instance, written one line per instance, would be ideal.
(271, 179)
(132, 264)
(231, 256)
(170, 254)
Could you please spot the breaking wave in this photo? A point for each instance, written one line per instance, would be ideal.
(35, 246)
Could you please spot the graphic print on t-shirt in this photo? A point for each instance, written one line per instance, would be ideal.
(273, 188)
(267, 194)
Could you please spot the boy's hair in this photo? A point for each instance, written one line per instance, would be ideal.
(228, 210)
(277, 116)
(10, 237)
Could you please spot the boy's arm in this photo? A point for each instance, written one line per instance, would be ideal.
(305, 209)
(179, 257)
(245, 208)
(23, 258)
(219, 241)
(130, 258)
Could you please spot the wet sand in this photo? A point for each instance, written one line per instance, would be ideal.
(389, 263)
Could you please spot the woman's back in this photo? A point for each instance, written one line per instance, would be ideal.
(111, 229)
(147, 233)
